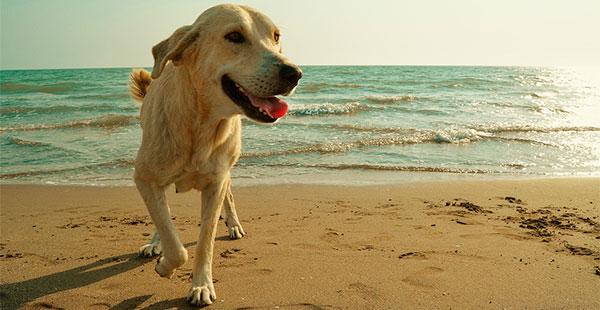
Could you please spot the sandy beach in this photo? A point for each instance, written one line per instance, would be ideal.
(520, 244)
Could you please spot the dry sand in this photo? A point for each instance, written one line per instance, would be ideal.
(525, 244)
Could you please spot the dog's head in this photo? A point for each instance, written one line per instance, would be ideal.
(233, 54)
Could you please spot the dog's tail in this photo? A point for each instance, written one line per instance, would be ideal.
(139, 81)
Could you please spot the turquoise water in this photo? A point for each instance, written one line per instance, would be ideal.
(346, 124)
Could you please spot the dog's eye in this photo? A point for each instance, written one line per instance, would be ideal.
(276, 36)
(235, 37)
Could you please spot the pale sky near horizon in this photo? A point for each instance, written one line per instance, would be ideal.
(112, 33)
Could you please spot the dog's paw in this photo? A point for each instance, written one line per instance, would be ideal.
(162, 270)
(235, 230)
(150, 249)
(202, 295)
(166, 267)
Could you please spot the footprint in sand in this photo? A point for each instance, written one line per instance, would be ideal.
(44, 305)
(505, 233)
(231, 253)
(354, 219)
(387, 206)
(364, 291)
(263, 271)
(334, 239)
(331, 235)
(426, 277)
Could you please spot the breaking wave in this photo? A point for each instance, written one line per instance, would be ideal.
(104, 96)
(64, 108)
(56, 88)
(393, 136)
(109, 121)
(318, 87)
(24, 142)
(391, 168)
(118, 163)
(530, 128)
(381, 99)
(316, 109)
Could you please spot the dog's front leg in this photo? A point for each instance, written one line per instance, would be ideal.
(174, 254)
(203, 291)
(231, 219)
(153, 247)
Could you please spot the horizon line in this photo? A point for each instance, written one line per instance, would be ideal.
(315, 65)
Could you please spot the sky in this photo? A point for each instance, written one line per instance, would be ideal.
(113, 33)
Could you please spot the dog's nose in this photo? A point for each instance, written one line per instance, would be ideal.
(290, 73)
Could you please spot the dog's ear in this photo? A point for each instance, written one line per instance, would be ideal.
(172, 48)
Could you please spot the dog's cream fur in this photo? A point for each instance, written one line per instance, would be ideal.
(192, 129)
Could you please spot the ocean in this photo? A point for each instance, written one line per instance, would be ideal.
(346, 125)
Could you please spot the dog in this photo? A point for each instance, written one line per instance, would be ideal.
(206, 76)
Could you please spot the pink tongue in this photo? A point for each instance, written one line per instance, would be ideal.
(275, 107)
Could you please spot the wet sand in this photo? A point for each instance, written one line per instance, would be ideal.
(463, 245)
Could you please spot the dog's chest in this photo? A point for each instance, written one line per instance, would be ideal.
(201, 174)
(210, 162)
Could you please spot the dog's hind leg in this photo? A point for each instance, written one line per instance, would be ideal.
(203, 291)
(231, 218)
(174, 254)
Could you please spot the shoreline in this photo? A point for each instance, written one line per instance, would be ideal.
(331, 178)
(461, 244)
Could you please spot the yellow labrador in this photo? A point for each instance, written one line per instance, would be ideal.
(226, 64)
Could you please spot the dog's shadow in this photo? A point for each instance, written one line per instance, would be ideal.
(15, 295)
(135, 302)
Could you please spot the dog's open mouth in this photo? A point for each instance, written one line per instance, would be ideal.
(260, 109)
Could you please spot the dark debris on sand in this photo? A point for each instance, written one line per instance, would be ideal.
(538, 227)
(411, 254)
(579, 250)
(461, 203)
(547, 221)
(514, 200)
(551, 226)
(229, 252)
(135, 220)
